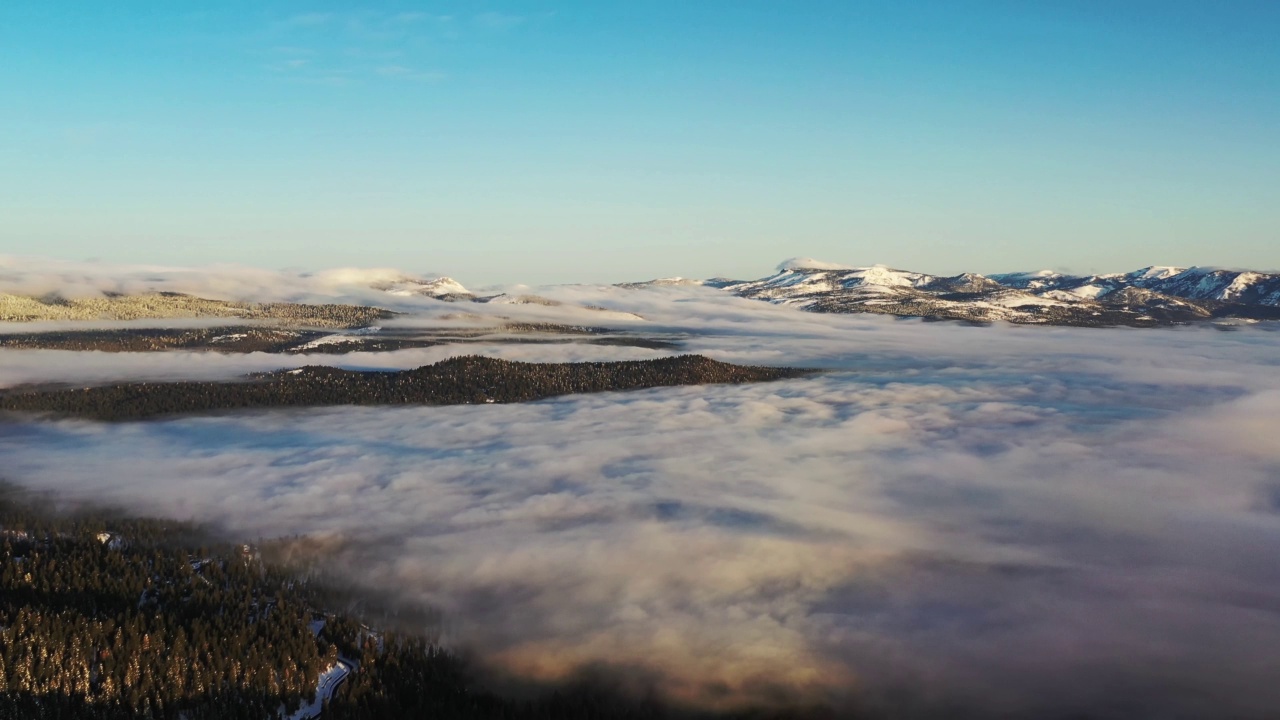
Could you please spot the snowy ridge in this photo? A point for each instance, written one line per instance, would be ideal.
(1148, 296)
(442, 287)
(794, 281)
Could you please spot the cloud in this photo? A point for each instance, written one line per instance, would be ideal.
(405, 73)
(805, 263)
(418, 17)
(1243, 427)
(1021, 521)
(71, 279)
(311, 19)
(343, 48)
(496, 21)
(21, 367)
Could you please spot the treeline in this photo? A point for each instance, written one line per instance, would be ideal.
(460, 380)
(229, 339)
(103, 616)
(252, 338)
(1131, 307)
(19, 308)
(106, 617)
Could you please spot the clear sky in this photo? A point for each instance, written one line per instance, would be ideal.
(591, 140)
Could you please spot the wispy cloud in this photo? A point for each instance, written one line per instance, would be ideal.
(418, 17)
(288, 65)
(498, 21)
(291, 51)
(405, 73)
(348, 47)
(309, 19)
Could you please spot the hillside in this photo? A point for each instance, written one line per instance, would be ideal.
(460, 380)
(108, 616)
(165, 305)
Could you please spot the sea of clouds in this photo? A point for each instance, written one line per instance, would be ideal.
(39, 277)
(1000, 520)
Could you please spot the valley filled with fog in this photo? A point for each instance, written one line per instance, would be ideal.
(435, 360)
(1017, 519)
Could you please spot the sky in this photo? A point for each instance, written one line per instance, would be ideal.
(578, 141)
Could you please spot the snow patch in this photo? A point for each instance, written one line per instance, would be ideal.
(325, 688)
(408, 287)
(1088, 292)
(1239, 285)
(1019, 299)
(1029, 280)
(1156, 272)
(343, 337)
(881, 275)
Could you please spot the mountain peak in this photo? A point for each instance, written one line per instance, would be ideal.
(441, 287)
(1156, 272)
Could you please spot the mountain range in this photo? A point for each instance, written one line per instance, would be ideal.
(1150, 296)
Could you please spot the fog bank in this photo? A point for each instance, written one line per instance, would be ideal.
(1027, 521)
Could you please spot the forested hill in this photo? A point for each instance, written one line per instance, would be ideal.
(460, 380)
(109, 617)
(105, 617)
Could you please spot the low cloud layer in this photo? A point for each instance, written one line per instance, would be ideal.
(955, 520)
(39, 277)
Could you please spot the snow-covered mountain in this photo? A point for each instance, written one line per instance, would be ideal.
(443, 288)
(1150, 296)
(1241, 286)
(36, 289)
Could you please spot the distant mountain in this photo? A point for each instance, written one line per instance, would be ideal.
(1150, 296)
(443, 288)
(1142, 298)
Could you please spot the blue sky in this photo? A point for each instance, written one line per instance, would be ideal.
(584, 141)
